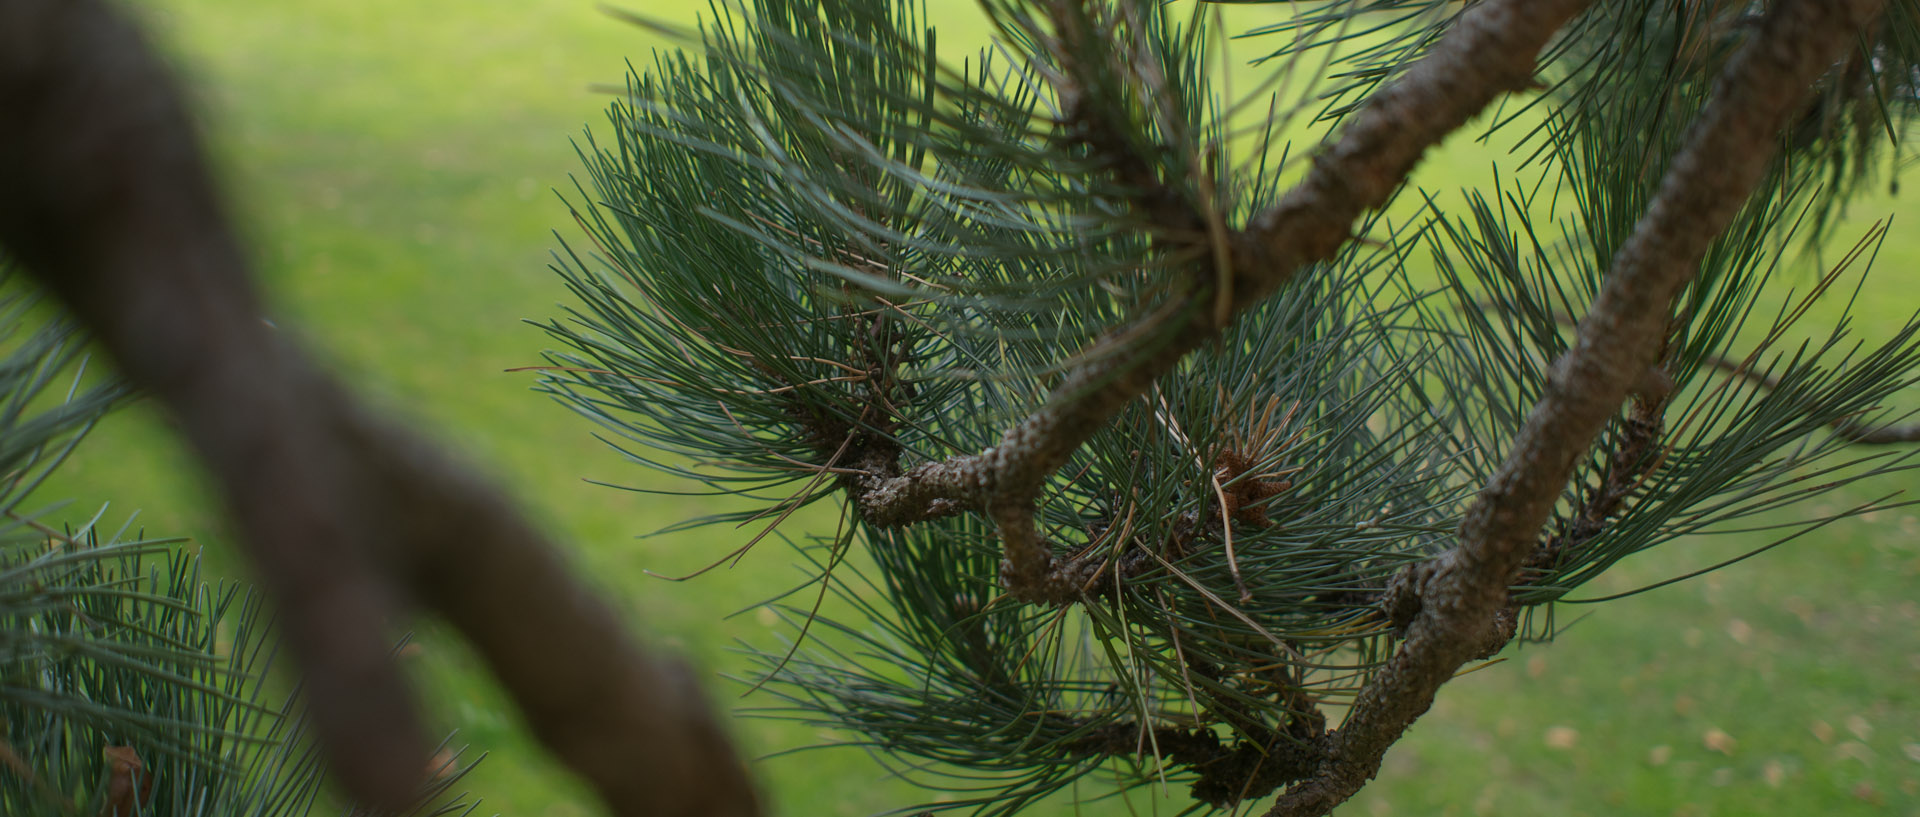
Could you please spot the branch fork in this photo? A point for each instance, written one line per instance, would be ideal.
(1457, 606)
(1489, 52)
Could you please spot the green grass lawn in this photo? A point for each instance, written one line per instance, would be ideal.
(394, 166)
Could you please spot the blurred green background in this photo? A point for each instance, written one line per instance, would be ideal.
(394, 166)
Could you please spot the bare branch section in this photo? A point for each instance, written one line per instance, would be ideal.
(1460, 594)
(1491, 50)
(107, 200)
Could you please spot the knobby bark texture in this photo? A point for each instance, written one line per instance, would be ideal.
(105, 197)
(1491, 50)
(1460, 595)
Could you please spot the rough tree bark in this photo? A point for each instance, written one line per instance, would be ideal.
(106, 199)
(1460, 593)
(347, 518)
(1490, 51)
(1455, 602)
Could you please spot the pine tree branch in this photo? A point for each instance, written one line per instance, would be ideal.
(109, 203)
(1460, 593)
(1489, 51)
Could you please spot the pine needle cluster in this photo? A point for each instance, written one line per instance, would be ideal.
(827, 253)
(129, 684)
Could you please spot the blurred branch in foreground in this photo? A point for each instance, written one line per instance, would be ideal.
(346, 518)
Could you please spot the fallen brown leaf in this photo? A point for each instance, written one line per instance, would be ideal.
(128, 784)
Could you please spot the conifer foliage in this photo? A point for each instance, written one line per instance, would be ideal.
(348, 519)
(130, 685)
(1161, 451)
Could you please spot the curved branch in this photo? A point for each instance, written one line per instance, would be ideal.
(1461, 592)
(1491, 50)
(108, 202)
